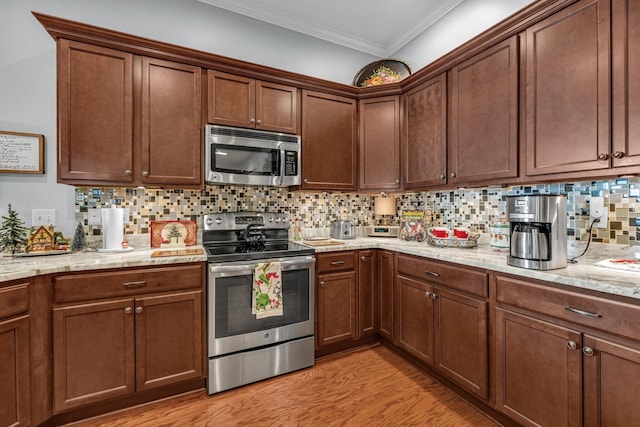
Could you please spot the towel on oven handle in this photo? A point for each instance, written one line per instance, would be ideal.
(266, 298)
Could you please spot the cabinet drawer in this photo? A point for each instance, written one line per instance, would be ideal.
(464, 279)
(611, 316)
(79, 287)
(14, 299)
(336, 261)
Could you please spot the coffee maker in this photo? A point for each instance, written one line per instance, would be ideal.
(538, 231)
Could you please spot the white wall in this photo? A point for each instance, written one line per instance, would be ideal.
(28, 77)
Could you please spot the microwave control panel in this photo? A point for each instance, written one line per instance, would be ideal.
(290, 163)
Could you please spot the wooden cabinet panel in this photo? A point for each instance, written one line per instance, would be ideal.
(276, 107)
(414, 318)
(483, 119)
(93, 352)
(336, 261)
(367, 293)
(171, 123)
(336, 303)
(168, 339)
(329, 142)
(626, 82)
(385, 271)
(14, 299)
(14, 372)
(95, 114)
(567, 90)
(424, 152)
(538, 371)
(379, 143)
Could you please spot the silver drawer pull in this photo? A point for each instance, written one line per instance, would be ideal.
(582, 312)
(572, 345)
(588, 351)
(432, 273)
(138, 284)
(337, 262)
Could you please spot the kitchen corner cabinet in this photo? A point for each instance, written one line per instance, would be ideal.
(14, 354)
(367, 293)
(567, 96)
(121, 332)
(441, 316)
(424, 152)
(127, 120)
(244, 102)
(379, 151)
(483, 118)
(329, 142)
(385, 279)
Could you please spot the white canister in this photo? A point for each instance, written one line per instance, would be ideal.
(500, 233)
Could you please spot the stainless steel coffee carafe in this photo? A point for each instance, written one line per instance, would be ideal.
(538, 231)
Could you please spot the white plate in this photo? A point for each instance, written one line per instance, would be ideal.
(129, 249)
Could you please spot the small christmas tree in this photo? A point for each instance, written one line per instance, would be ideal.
(13, 233)
(79, 241)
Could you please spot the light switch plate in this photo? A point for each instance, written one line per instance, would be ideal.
(597, 210)
(94, 216)
(44, 217)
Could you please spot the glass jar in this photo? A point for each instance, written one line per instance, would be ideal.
(499, 234)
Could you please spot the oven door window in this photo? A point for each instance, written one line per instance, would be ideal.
(233, 304)
(245, 160)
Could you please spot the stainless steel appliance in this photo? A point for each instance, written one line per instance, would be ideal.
(243, 348)
(251, 157)
(342, 229)
(538, 231)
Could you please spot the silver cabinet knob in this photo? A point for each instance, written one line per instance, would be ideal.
(397, 181)
(322, 284)
(139, 309)
(306, 180)
(128, 310)
(364, 258)
(588, 351)
(603, 156)
(427, 294)
(259, 122)
(442, 176)
(434, 296)
(145, 173)
(127, 173)
(252, 121)
(572, 345)
(452, 174)
(618, 154)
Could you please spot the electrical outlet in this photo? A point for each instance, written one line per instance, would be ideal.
(125, 213)
(597, 210)
(43, 217)
(94, 216)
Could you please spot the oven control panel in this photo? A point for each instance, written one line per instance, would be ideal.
(229, 221)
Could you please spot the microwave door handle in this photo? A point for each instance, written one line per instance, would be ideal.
(281, 161)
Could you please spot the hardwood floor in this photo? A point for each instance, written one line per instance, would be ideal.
(368, 387)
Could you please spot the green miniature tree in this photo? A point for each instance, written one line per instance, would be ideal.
(79, 241)
(13, 233)
(174, 231)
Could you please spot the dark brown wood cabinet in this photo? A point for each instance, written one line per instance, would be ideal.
(127, 120)
(244, 102)
(414, 318)
(483, 116)
(379, 143)
(367, 293)
(386, 273)
(424, 152)
(567, 96)
(329, 142)
(122, 340)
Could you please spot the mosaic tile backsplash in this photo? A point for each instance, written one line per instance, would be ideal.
(472, 208)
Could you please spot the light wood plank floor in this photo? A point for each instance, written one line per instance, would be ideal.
(368, 387)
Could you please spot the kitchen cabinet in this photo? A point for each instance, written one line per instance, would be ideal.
(379, 145)
(557, 360)
(14, 354)
(483, 117)
(424, 154)
(385, 278)
(124, 119)
(567, 95)
(244, 102)
(367, 293)
(129, 331)
(329, 142)
(442, 319)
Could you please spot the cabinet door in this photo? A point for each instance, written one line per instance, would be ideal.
(95, 114)
(538, 371)
(168, 339)
(276, 107)
(425, 147)
(367, 293)
(93, 353)
(329, 142)
(567, 90)
(385, 273)
(336, 302)
(414, 310)
(626, 82)
(171, 123)
(483, 117)
(380, 143)
(14, 372)
(461, 340)
(611, 383)
(231, 100)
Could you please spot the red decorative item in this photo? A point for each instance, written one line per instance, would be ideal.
(173, 233)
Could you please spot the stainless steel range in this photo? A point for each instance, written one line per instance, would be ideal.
(244, 347)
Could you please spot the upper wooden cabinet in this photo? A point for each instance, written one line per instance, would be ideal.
(329, 142)
(424, 152)
(379, 143)
(483, 118)
(248, 103)
(567, 72)
(127, 120)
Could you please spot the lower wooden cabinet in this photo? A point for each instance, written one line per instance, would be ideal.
(385, 279)
(14, 372)
(337, 319)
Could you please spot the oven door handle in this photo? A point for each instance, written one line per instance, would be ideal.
(292, 263)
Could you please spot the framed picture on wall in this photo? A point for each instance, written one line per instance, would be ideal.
(21, 152)
(382, 72)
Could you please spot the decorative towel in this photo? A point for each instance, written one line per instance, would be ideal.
(267, 290)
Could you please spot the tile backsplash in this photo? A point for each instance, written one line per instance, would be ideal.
(473, 208)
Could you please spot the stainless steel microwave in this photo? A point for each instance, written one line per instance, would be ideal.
(251, 157)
